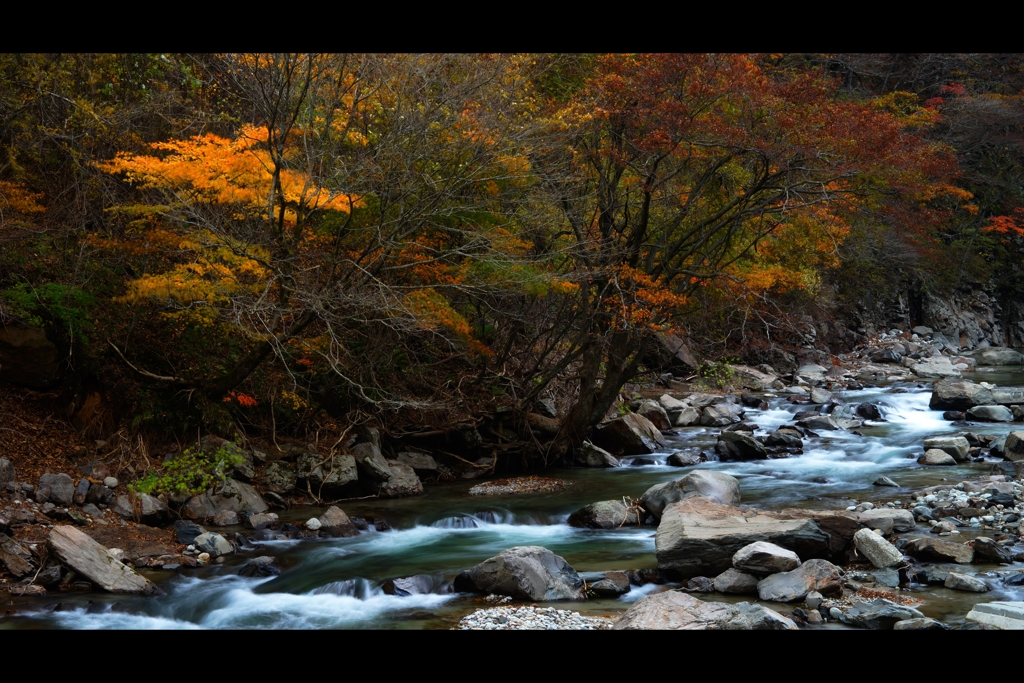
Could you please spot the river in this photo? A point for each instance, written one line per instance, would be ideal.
(337, 583)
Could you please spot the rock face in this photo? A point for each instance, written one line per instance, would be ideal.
(765, 558)
(959, 394)
(956, 446)
(715, 486)
(590, 455)
(876, 549)
(630, 434)
(812, 575)
(524, 572)
(676, 611)
(606, 514)
(943, 551)
(697, 537)
(739, 446)
(89, 558)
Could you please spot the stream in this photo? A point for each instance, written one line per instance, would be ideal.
(338, 583)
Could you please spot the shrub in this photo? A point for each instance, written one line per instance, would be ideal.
(192, 472)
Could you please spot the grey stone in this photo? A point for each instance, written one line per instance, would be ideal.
(370, 462)
(214, 544)
(225, 518)
(92, 510)
(936, 457)
(963, 582)
(820, 423)
(685, 459)
(812, 575)
(720, 415)
(820, 396)
(58, 489)
(605, 514)
(813, 599)
(630, 434)
(765, 558)
(423, 464)
(186, 531)
(313, 524)
(90, 559)
(403, 482)
(239, 497)
(526, 573)
(935, 367)
(898, 519)
(81, 491)
(15, 557)
(687, 417)
(716, 486)
(674, 610)
(110, 482)
(885, 481)
(989, 550)
(653, 411)
(612, 585)
(922, 624)
(1013, 447)
(878, 614)
(736, 581)
(997, 355)
(261, 520)
(329, 475)
(281, 477)
(259, 567)
(123, 507)
(735, 445)
(876, 549)
(959, 394)
(153, 511)
(590, 455)
(1004, 615)
(956, 446)
(335, 522)
(990, 414)
(936, 549)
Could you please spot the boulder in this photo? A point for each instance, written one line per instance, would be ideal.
(878, 614)
(876, 549)
(698, 537)
(280, 477)
(783, 439)
(963, 582)
(403, 482)
(612, 585)
(15, 557)
(956, 446)
(261, 520)
(885, 481)
(370, 462)
(653, 411)
(152, 510)
(820, 396)
(748, 378)
(677, 611)
(941, 551)
(58, 489)
(670, 353)
(935, 367)
(606, 514)
(997, 355)
(630, 434)
(328, 476)
(959, 394)
(259, 567)
(523, 572)
(923, 624)
(936, 457)
(1013, 447)
(715, 486)
(868, 411)
(765, 558)
(990, 414)
(590, 455)
(720, 415)
(90, 559)
(687, 417)
(214, 544)
(423, 464)
(735, 445)
(685, 459)
(820, 423)
(336, 523)
(737, 582)
(1003, 615)
(225, 518)
(899, 519)
(123, 507)
(792, 586)
(989, 550)
(187, 531)
(672, 405)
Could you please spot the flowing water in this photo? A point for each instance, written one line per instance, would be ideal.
(338, 583)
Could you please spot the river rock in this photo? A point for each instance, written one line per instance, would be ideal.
(653, 411)
(630, 434)
(876, 549)
(715, 486)
(963, 582)
(90, 559)
(672, 405)
(942, 551)
(328, 476)
(935, 367)
(153, 511)
(720, 415)
(261, 520)
(997, 355)
(783, 439)
(186, 531)
(123, 507)
(214, 544)
(423, 464)
(280, 477)
(698, 537)
(81, 491)
(1013, 446)
(820, 396)
(677, 611)
(590, 455)
(899, 519)
(989, 550)
(747, 377)
(1004, 615)
(819, 423)
(734, 445)
(15, 557)
(687, 417)
(885, 481)
(685, 459)
(812, 575)
(370, 462)
(878, 614)
(922, 624)
(605, 514)
(959, 394)
(403, 482)
(990, 414)
(936, 457)
(956, 446)
(225, 518)
(335, 522)
(525, 573)
(612, 585)
(259, 567)
(765, 558)
(737, 582)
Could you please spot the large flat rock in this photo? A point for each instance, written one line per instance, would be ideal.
(1007, 616)
(87, 557)
(698, 537)
(675, 611)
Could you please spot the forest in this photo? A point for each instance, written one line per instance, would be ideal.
(296, 246)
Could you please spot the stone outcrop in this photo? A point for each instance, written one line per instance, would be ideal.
(676, 611)
(525, 573)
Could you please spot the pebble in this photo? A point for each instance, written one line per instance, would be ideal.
(531, 619)
(110, 482)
